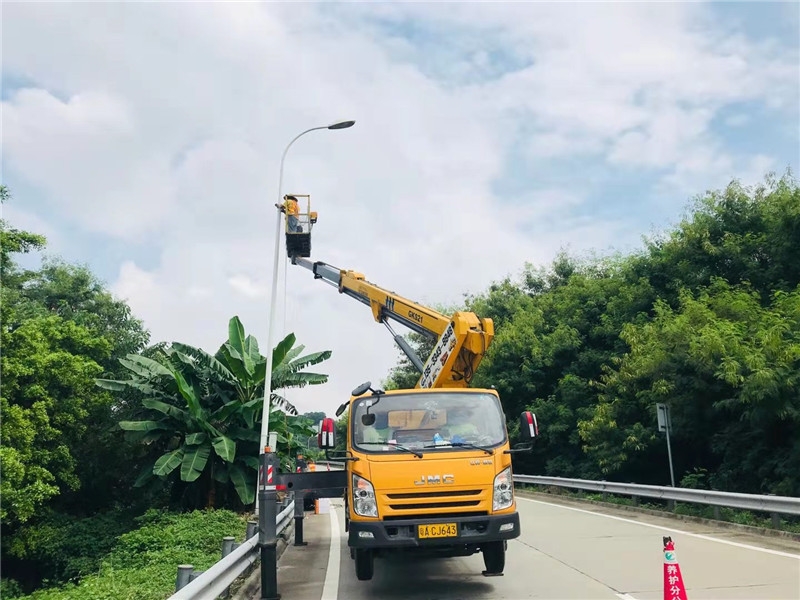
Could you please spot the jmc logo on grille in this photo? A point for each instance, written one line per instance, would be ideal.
(434, 479)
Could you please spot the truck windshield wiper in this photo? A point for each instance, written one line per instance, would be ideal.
(393, 445)
(462, 445)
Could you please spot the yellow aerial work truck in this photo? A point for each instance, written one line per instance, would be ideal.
(428, 469)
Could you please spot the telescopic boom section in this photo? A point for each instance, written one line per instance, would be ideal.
(461, 340)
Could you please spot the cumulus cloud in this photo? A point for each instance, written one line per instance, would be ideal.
(164, 124)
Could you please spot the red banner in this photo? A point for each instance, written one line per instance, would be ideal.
(673, 580)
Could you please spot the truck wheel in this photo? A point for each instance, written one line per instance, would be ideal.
(494, 556)
(364, 565)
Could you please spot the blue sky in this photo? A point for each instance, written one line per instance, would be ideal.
(487, 135)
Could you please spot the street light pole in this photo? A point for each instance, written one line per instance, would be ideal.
(266, 506)
(274, 292)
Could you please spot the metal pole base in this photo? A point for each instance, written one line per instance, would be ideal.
(298, 532)
(269, 575)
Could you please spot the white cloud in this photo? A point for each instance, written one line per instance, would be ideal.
(143, 134)
(86, 155)
(246, 286)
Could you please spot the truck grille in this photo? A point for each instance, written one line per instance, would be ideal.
(423, 505)
(424, 495)
(431, 503)
(437, 515)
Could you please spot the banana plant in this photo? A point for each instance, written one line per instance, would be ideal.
(202, 412)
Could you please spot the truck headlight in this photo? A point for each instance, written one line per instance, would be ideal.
(364, 503)
(503, 490)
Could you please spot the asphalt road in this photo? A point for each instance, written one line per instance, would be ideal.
(565, 551)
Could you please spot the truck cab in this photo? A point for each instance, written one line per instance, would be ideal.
(429, 473)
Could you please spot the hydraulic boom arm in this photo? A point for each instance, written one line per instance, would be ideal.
(461, 340)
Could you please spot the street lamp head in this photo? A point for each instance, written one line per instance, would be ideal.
(342, 125)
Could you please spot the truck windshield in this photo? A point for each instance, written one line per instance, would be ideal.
(431, 422)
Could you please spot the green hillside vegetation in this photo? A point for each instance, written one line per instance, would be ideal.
(143, 563)
(705, 318)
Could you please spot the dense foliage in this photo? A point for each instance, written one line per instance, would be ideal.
(143, 562)
(69, 469)
(706, 318)
(202, 412)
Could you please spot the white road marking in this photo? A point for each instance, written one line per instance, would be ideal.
(330, 590)
(670, 529)
(625, 597)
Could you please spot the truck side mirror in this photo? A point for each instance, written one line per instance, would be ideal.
(528, 426)
(326, 439)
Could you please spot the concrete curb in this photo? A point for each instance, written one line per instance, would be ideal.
(667, 515)
(251, 584)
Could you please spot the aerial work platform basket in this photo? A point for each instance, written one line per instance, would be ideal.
(299, 219)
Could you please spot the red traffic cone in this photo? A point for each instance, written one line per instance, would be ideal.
(673, 581)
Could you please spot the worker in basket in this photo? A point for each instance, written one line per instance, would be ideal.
(293, 212)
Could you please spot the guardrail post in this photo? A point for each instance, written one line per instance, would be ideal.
(776, 520)
(717, 513)
(227, 545)
(636, 500)
(267, 538)
(184, 576)
(299, 515)
(252, 528)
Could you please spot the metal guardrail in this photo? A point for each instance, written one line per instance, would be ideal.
(215, 581)
(771, 504)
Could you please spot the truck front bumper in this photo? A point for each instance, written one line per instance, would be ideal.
(471, 531)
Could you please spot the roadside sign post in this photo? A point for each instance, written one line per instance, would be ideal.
(665, 425)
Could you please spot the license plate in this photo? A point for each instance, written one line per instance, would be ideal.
(437, 530)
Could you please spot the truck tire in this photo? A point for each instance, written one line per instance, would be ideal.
(365, 565)
(494, 556)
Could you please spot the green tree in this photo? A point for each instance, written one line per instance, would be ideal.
(14, 241)
(61, 329)
(740, 234)
(314, 416)
(730, 371)
(202, 413)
